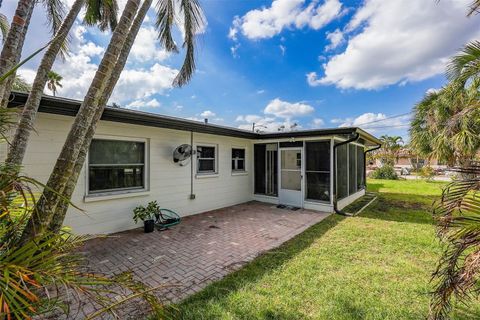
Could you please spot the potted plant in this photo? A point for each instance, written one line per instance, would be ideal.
(147, 215)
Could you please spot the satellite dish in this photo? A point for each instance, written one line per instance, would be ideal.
(182, 154)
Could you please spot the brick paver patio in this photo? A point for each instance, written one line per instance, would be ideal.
(202, 249)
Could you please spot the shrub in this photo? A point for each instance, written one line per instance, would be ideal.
(385, 172)
(426, 173)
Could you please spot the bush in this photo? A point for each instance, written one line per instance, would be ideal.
(385, 172)
(427, 173)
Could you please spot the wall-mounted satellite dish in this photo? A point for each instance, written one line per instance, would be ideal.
(182, 154)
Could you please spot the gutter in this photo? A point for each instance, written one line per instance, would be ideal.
(365, 162)
(335, 146)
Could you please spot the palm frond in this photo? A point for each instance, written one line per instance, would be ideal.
(193, 22)
(474, 7)
(19, 84)
(466, 64)
(457, 215)
(102, 13)
(164, 23)
(55, 12)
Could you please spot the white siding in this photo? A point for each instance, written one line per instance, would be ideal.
(169, 183)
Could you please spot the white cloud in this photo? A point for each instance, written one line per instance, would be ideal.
(372, 122)
(282, 49)
(287, 110)
(398, 41)
(142, 83)
(137, 104)
(146, 46)
(336, 38)
(317, 122)
(234, 49)
(208, 114)
(260, 91)
(432, 90)
(268, 22)
(278, 116)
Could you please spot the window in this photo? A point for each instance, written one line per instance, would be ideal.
(206, 159)
(265, 164)
(238, 159)
(350, 170)
(360, 168)
(318, 170)
(115, 165)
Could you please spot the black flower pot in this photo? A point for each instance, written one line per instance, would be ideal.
(149, 225)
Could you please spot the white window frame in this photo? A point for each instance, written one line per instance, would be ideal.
(116, 192)
(235, 170)
(215, 160)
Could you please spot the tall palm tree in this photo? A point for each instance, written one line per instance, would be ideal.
(466, 64)
(93, 104)
(446, 124)
(54, 81)
(104, 13)
(13, 44)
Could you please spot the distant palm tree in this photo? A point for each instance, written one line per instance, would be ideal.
(391, 146)
(54, 80)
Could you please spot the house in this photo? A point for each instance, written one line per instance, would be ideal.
(405, 159)
(130, 162)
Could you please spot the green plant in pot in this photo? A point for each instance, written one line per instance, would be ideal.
(147, 215)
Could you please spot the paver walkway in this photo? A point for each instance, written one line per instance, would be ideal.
(200, 250)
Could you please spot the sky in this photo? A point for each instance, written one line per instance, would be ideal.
(281, 64)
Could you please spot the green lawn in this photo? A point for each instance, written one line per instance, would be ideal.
(374, 266)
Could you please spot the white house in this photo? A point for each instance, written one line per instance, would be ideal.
(130, 162)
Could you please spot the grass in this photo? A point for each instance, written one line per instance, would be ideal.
(373, 266)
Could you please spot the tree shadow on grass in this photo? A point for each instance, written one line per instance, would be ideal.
(263, 265)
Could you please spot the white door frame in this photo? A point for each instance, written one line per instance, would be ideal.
(302, 174)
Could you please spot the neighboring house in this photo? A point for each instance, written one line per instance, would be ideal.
(130, 162)
(406, 160)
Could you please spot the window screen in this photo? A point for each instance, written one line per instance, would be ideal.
(352, 169)
(265, 158)
(318, 170)
(342, 171)
(116, 165)
(259, 168)
(206, 157)
(238, 159)
(360, 168)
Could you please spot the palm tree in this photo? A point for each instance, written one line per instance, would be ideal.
(78, 140)
(13, 43)
(391, 146)
(446, 124)
(104, 12)
(54, 80)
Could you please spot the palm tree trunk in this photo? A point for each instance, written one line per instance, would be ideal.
(27, 119)
(15, 39)
(59, 216)
(65, 165)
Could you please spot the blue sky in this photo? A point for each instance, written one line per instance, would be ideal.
(318, 64)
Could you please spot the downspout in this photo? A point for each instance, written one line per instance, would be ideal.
(192, 194)
(335, 146)
(365, 162)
